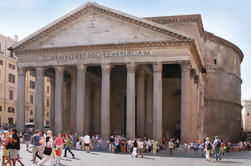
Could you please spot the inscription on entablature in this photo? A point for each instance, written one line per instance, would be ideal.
(96, 55)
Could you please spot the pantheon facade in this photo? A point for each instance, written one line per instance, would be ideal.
(114, 73)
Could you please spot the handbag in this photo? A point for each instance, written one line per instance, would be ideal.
(47, 151)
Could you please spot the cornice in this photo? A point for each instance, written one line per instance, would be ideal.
(221, 69)
(204, 34)
(109, 46)
(223, 101)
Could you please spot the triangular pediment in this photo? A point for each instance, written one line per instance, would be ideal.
(93, 24)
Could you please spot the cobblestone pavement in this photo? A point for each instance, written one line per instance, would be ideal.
(180, 158)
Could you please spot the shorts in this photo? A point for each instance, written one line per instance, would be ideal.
(60, 146)
(86, 144)
(6, 152)
(27, 142)
(14, 153)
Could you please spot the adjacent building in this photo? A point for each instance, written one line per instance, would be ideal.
(246, 116)
(114, 73)
(8, 87)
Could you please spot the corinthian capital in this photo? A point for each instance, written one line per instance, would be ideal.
(59, 69)
(131, 67)
(21, 71)
(157, 67)
(39, 71)
(185, 65)
(106, 68)
(81, 68)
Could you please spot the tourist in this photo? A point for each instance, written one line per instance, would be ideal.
(208, 148)
(6, 148)
(100, 143)
(135, 147)
(87, 141)
(21, 137)
(48, 152)
(79, 144)
(116, 145)
(202, 149)
(171, 147)
(67, 142)
(141, 147)
(123, 144)
(27, 140)
(37, 149)
(59, 143)
(164, 142)
(240, 145)
(111, 144)
(195, 145)
(155, 147)
(129, 146)
(58, 152)
(150, 145)
(177, 142)
(216, 147)
(15, 147)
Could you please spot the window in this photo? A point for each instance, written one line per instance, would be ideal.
(31, 99)
(32, 84)
(48, 102)
(48, 89)
(11, 109)
(215, 61)
(47, 114)
(12, 78)
(1, 108)
(31, 120)
(11, 94)
(1, 62)
(11, 66)
(31, 112)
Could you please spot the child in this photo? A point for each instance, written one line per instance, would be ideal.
(78, 144)
(58, 154)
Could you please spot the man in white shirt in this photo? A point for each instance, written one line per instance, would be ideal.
(87, 141)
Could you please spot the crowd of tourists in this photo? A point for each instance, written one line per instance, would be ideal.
(49, 148)
(216, 148)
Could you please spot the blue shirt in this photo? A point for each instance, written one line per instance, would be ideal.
(27, 136)
(35, 140)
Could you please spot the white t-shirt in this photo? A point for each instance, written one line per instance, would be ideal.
(87, 139)
(141, 144)
(129, 142)
(48, 144)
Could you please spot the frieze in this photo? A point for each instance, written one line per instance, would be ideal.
(96, 55)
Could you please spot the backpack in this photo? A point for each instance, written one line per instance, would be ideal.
(218, 145)
(209, 146)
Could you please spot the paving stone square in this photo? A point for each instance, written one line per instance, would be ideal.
(95, 158)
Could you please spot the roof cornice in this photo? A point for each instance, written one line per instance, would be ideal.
(204, 34)
(127, 45)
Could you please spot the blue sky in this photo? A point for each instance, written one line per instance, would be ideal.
(229, 19)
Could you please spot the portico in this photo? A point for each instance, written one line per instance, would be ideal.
(113, 73)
